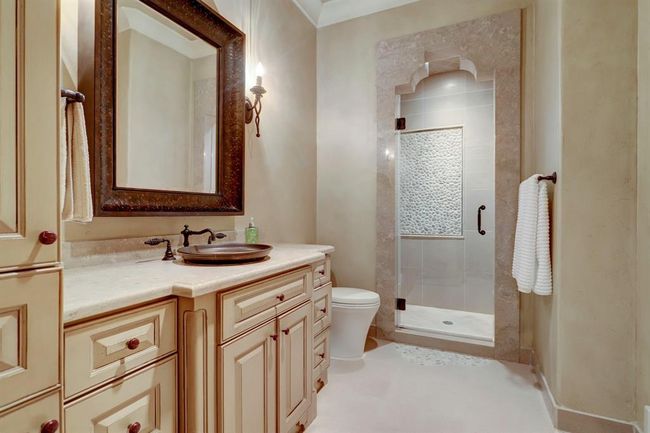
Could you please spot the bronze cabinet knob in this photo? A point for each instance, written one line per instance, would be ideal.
(47, 238)
(322, 272)
(133, 343)
(301, 427)
(285, 331)
(274, 337)
(50, 426)
(322, 355)
(280, 297)
(323, 310)
(134, 427)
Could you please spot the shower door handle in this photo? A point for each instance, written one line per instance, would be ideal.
(481, 208)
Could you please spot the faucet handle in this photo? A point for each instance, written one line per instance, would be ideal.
(169, 254)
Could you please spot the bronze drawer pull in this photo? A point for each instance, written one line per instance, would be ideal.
(286, 331)
(50, 426)
(322, 355)
(134, 427)
(280, 298)
(47, 238)
(322, 272)
(133, 343)
(323, 310)
(274, 337)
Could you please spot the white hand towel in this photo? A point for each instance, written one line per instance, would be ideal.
(65, 166)
(77, 197)
(543, 278)
(531, 264)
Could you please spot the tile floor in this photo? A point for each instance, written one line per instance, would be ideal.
(406, 389)
(464, 324)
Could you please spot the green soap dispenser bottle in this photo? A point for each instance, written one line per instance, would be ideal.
(252, 234)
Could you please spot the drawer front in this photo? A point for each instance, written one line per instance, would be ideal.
(110, 347)
(322, 349)
(320, 378)
(322, 308)
(245, 308)
(322, 272)
(147, 398)
(29, 333)
(29, 418)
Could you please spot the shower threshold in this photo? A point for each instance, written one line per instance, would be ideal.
(452, 323)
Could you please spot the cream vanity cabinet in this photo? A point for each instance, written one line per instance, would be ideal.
(264, 377)
(30, 293)
(322, 312)
(121, 372)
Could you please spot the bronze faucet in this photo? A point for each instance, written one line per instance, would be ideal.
(186, 232)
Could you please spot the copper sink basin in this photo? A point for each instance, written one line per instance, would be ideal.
(225, 253)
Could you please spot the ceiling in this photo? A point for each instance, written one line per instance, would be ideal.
(327, 12)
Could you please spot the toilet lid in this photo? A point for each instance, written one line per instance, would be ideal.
(352, 296)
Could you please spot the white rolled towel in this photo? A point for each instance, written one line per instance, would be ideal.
(531, 264)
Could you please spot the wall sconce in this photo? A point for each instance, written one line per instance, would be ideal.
(258, 91)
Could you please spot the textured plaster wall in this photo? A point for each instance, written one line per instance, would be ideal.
(643, 213)
(585, 333)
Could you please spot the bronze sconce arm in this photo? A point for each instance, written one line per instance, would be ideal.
(255, 108)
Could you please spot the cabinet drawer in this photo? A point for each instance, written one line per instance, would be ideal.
(322, 349)
(30, 417)
(245, 308)
(320, 378)
(147, 398)
(110, 347)
(322, 307)
(322, 272)
(29, 333)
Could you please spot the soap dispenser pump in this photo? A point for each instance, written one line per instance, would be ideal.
(252, 234)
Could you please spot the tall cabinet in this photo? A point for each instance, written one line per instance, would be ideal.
(30, 276)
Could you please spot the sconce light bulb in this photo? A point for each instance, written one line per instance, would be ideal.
(260, 71)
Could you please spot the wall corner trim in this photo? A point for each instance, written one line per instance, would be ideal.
(573, 421)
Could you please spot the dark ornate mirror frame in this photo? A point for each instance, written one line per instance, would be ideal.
(97, 54)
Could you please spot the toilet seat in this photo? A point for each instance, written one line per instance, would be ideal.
(353, 297)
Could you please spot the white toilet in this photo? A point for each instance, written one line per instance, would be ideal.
(352, 314)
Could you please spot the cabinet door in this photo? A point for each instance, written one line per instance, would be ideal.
(247, 379)
(295, 367)
(29, 107)
(31, 417)
(29, 333)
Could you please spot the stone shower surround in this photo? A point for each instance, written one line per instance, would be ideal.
(489, 48)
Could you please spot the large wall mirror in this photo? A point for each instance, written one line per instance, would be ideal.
(10, 28)
(166, 102)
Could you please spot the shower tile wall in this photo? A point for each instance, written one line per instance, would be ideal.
(455, 273)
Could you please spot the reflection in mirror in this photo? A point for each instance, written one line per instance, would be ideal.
(166, 103)
(8, 120)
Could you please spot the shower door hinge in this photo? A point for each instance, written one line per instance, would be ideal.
(401, 304)
(400, 124)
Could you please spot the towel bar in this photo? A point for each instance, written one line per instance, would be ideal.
(552, 178)
(72, 96)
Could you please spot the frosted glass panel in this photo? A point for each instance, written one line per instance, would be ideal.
(431, 182)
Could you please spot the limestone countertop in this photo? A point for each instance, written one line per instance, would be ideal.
(93, 290)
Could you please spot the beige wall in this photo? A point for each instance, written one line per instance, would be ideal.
(347, 124)
(281, 165)
(546, 157)
(584, 333)
(643, 212)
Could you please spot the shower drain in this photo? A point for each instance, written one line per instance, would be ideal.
(447, 322)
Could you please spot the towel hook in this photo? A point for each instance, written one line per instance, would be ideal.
(552, 177)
